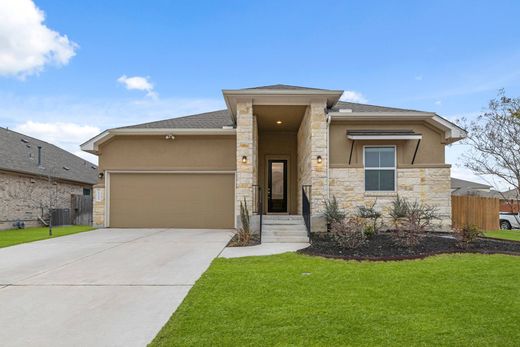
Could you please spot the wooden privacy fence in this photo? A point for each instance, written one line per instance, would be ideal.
(475, 210)
(81, 209)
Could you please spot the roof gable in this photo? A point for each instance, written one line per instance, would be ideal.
(283, 87)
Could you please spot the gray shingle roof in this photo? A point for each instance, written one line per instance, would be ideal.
(355, 107)
(220, 118)
(283, 87)
(457, 183)
(19, 153)
(208, 120)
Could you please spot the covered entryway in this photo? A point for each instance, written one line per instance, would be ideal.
(196, 200)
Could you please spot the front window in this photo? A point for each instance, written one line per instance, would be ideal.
(379, 168)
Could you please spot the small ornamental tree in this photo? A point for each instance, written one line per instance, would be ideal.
(495, 139)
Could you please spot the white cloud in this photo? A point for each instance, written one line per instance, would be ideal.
(68, 122)
(438, 102)
(353, 96)
(26, 44)
(138, 83)
(64, 135)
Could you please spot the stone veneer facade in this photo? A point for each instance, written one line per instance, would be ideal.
(245, 175)
(98, 209)
(312, 142)
(431, 186)
(26, 198)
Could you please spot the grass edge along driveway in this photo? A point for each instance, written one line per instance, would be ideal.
(513, 235)
(13, 237)
(292, 299)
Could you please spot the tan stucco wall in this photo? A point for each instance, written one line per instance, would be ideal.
(157, 153)
(279, 145)
(431, 148)
(171, 200)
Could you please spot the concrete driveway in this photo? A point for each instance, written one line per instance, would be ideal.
(108, 287)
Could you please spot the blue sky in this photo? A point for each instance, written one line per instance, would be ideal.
(449, 57)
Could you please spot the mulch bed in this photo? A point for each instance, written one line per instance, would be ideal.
(385, 246)
(255, 240)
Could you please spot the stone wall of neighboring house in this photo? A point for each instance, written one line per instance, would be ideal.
(22, 198)
(427, 185)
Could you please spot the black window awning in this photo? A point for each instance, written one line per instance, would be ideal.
(383, 135)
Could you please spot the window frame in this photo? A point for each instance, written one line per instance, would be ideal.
(365, 168)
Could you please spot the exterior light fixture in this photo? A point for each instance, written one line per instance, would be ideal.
(278, 122)
(319, 159)
(169, 137)
(100, 175)
(244, 159)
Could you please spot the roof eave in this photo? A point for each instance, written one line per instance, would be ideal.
(92, 145)
(230, 95)
(453, 132)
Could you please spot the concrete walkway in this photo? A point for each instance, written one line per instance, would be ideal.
(263, 249)
(108, 287)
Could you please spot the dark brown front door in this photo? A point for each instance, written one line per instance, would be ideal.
(277, 186)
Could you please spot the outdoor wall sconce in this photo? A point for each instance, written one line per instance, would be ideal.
(100, 175)
(319, 159)
(244, 159)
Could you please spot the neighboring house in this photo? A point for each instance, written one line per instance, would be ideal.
(463, 187)
(509, 201)
(34, 172)
(277, 144)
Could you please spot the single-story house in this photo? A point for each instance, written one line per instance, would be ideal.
(463, 187)
(283, 149)
(509, 200)
(35, 175)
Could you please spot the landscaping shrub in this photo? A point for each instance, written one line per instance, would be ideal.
(399, 211)
(349, 233)
(467, 234)
(333, 214)
(371, 217)
(244, 232)
(411, 220)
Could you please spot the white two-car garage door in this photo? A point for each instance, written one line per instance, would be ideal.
(171, 200)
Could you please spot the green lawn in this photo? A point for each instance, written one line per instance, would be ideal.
(296, 300)
(16, 236)
(504, 234)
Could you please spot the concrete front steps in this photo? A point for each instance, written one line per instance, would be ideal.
(283, 229)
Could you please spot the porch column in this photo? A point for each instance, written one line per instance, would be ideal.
(245, 148)
(319, 182)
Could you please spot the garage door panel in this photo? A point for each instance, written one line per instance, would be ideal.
(146, 200)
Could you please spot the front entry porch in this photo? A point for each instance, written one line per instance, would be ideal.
(282, 147)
